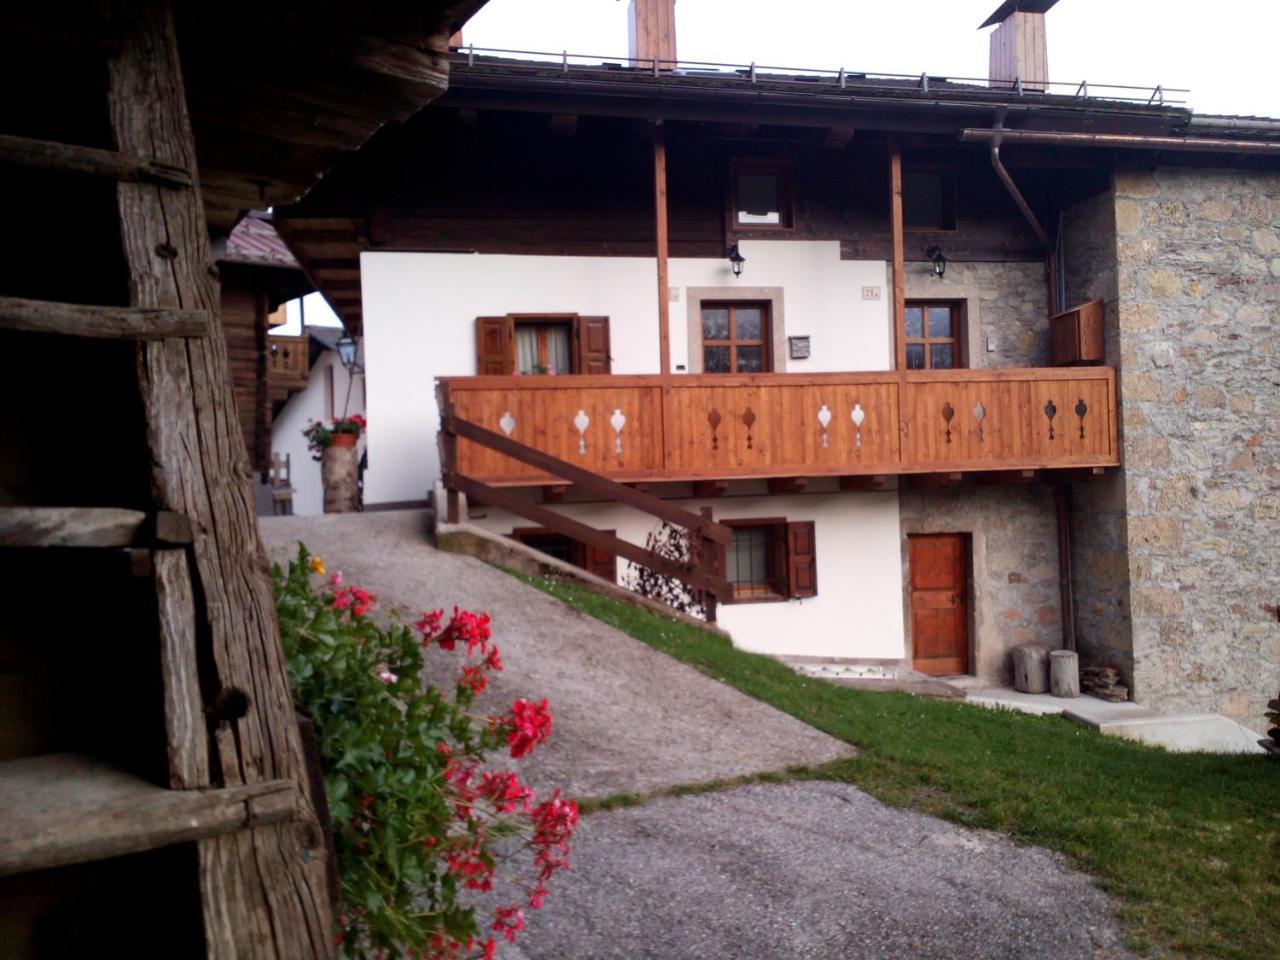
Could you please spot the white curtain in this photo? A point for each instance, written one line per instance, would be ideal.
(529, 337)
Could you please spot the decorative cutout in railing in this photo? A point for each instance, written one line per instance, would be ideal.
(824, 418)
(857, 416)
(713, 418)
(979, 414)
(618, 421)
(948, 411)
(580, 423)
(749, 419)
(508, 423)
(1050, 411)
(1081, 409)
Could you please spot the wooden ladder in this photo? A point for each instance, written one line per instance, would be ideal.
(238, 783)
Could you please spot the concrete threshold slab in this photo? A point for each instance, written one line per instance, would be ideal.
(1201, 732)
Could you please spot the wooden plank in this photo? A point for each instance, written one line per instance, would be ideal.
(660, 207)
(185, 728)
(590, 482)
(66, 808)
(710, 488)
(899, 267)
(264, 891)
(70, 158)
(80, 320)
(496, 496)
(89, 527)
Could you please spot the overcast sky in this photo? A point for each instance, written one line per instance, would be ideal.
(1224, 51)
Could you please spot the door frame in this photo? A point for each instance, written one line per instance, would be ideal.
(971, 600)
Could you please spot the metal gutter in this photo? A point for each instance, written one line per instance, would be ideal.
(1122, 141)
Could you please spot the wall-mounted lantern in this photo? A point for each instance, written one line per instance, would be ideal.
(736, 260)
(934, 253)
(346, 348)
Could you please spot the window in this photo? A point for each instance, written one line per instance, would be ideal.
(529, 344)
(928, 199)
(543, 348)
(736, 337)
(592, 559)
(770, 560)
(761, 194)
(933, 337)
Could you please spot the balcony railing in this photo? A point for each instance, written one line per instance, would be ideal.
(690, 427)
(288, 360)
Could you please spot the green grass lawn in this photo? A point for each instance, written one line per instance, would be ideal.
(1189, 843)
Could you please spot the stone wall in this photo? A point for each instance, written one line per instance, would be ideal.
(1014, 572)
(1099, 529)
(1198, 294)
(1006, 301)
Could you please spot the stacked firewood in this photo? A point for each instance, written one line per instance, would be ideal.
(1272, 745)
(1104, 683)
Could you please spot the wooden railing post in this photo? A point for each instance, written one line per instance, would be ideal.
(448, 444)
(707, 563)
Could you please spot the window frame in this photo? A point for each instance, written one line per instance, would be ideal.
(784, 169)
(958, 339)
(543, 321)
(764, 341)
(950, 196)
(775, 546)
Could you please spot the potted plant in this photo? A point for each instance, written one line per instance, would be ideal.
(334, 446)
(343, 432)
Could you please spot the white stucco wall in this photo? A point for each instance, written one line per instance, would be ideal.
(302, 408)
(858, 610)
(420, 310)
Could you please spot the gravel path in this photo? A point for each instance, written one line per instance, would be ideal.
(761, 872)
(813, 870)
(627, 718)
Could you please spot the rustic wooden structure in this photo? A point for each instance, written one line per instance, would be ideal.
(149, 751)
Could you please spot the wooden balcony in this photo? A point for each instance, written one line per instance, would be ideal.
(288, 361)
(647, 428)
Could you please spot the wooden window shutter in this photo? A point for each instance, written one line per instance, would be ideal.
(802, 560)
(591, 342)
(495, 346)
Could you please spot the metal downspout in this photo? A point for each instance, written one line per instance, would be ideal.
(1050, 266)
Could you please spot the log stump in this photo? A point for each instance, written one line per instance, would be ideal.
(1064, 673)
(338, 473)
(1031, 668)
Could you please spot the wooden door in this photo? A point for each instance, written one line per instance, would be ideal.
(938, 565)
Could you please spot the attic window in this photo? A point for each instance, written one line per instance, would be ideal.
(762, 195)
(929, 199)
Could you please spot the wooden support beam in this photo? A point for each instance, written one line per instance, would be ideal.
(934, 481)
(781, 485)
(90, 527)
(185, 725)
(72, 809)
(70, 158)
(710, 488)
(554, 492)
(121, 323)
(641, 487)
(899, 279)
(837, 138)
(660, 207)
(1001, 478)
(1080, 474)
(864, 482)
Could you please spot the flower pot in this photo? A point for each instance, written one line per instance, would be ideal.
(344, 439)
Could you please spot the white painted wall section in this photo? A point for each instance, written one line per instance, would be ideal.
(858, 610)
(420, 310)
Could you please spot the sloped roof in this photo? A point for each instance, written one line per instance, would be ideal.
(254, 241)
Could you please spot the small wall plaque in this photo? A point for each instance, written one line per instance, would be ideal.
(798, 348)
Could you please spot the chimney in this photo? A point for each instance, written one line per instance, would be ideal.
(1018, 49)
(651, 31)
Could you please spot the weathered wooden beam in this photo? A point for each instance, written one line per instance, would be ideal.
(79, 320)
(593, 537)
(661, 231)
(90, 527)
(783, 485)
(899, 311)
(710, 488)
(71, 158)
(66, 808)
(590, 482)
(864, 482)
(186, 730)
